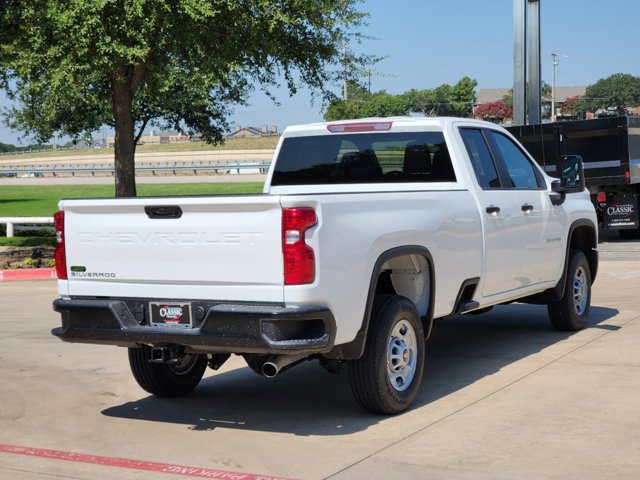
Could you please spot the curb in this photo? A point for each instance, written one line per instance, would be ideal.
(28, 274)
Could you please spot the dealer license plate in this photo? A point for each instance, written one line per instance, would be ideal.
(170, 314)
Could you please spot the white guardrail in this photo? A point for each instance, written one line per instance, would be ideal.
(12, 221)
(165, 167)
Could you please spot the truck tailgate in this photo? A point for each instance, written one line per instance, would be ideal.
(181, 247)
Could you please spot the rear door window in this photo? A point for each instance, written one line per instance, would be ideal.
(481, 159)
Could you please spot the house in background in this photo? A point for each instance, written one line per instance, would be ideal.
(490, 95)
(252, 132)
(154, 136)
(172, 137)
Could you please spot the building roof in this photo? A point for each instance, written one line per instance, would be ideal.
(562, 93)
(486, 95)
(254, 130)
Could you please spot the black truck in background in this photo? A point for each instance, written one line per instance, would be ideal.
(610, 149)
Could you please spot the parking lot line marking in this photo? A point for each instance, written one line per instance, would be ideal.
(133, 464)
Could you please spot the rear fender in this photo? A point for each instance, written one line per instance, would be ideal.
(381, 283)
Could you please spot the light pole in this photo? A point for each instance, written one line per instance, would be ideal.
(554, 57)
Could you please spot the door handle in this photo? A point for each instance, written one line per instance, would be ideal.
(492, 210)
(163, 211)
(526, 208)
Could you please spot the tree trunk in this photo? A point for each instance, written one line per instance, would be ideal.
(125, 146)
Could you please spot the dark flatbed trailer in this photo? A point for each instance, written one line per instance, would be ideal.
(610, 149)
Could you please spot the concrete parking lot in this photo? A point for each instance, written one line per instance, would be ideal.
(503, 397)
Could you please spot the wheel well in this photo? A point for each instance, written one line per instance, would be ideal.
(408, 276)
(584, 239)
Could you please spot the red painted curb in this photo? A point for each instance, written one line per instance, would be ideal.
(27, 274)
(132, 464)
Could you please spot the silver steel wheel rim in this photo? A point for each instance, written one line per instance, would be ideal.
(580, 292)
(184, 364)
(402, 355)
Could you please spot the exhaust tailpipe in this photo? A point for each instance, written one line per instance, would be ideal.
(279, 363)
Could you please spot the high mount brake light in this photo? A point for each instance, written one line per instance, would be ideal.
(299, 258)
(60, 253)
(359, 127)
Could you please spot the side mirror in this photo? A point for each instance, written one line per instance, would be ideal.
(572, 173)
(571, 179)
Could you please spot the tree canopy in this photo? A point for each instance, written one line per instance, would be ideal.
(180, 64)
(494, 111)
(569, 105)
(5, 147)
(616, 92)
(444, 100)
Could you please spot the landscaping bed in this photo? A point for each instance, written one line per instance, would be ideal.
(13, 258)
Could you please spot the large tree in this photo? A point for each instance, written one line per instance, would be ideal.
(617, 92)
(182, 64)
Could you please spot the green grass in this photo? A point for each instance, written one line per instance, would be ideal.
(42, 201)
(27, 241)
(260, 143)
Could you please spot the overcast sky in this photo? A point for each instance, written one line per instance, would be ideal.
(430, 42)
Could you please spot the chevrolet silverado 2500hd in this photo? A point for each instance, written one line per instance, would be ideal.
(366, 232)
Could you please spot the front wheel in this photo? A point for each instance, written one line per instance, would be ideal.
(571, 312)
(386, 379)
(166, 379)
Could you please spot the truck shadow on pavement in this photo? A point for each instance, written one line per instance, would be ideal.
(306, 400)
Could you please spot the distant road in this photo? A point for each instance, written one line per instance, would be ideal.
(150, 157)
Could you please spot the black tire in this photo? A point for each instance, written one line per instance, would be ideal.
(386, 379)
(572, 311)
(163, 379)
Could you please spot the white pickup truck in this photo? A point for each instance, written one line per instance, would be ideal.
(367, 231)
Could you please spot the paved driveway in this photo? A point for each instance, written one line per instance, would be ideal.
(503, 397)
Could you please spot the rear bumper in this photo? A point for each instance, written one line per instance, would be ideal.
(217, 327)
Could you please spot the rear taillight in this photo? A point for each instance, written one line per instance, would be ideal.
(60, 254)
(299, 259)
(601, 197)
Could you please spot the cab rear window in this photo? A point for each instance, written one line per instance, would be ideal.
(364, 158)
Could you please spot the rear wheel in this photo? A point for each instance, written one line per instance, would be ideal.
(166, 379)
(387, 377)
(572, 311)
